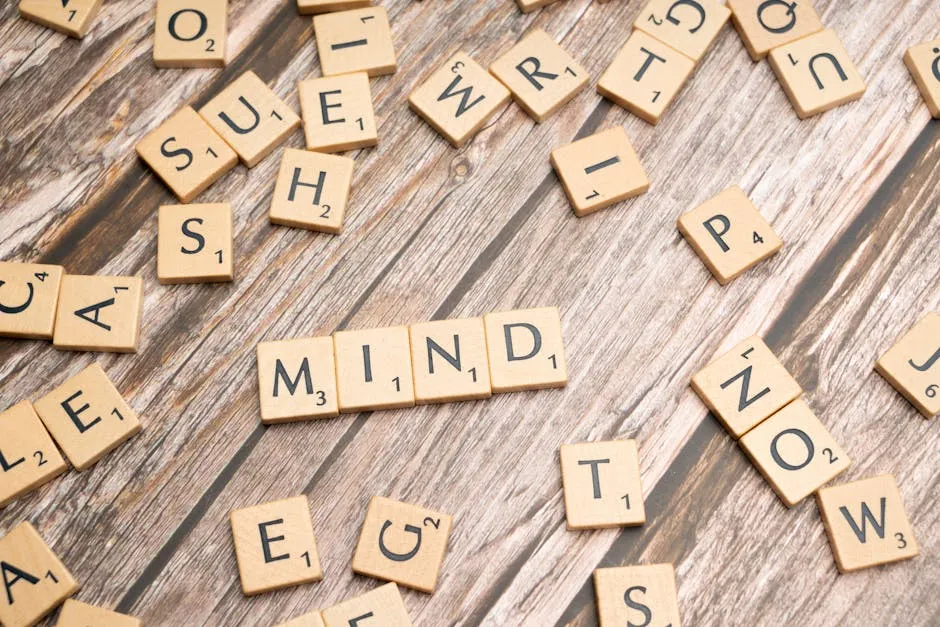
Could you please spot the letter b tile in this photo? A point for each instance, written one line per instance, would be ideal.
(637, 595)
(526, 350)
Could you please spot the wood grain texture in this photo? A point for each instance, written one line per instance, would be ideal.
(432, 232)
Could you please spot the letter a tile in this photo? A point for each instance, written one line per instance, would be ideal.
(602, 485)
(526, 350)
(355, 41)
(765, 25)
(28, 457)
(373, 369)
(382, 606)
(630, 595)
(912, 365)
(297, 380)
(77, 614)
(337, 112)
(449, 361)
(312, 190)
(923, 62)
(190, 33)
(73, 17)
(194, 243)
(689, 26)
(29, 293)
(99, 313)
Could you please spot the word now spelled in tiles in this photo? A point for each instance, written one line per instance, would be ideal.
(77, 614)
(602, 485)
(355, 41)
(381, 606)
(449, 360)
(312, 190)
(99, 313)
(29, 293)
(194, 243)
(72, 17)
(689, 26)
(310, 619)
(338, 113)
(764, 25)
(526, 350)
(373, 369)
(297, 380)
(637, 595)
(912, 365)
(923, 61)
(308, 7)
(28, 456)
(190, 33)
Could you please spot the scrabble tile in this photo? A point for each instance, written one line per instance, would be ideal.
(355, 41)
(449, 361)
(29, 293)
(764, 25)
(310, 619)
(274, 545)
(795, 452)
(745, 386)
(602, 485)
(36, 582)
(194, 243)
(381, 606)
(689, 26)
(402, 543)
(645, 76)
(99, 313)
(600, 170)
(373, 369)
(528, 6)
(923, 61)
(87, 417)
(866, 523)
(28, 456)
(250, 118)
(190, 33)
(187, 154)
(312, 190)
(77, 614)
(458, 99)
(541, 75)
(817, 73)
(525, 349)
(308, 7)
(72, 17)
(729, 234)
(337, 112)
(297, 380)
(912, 365)
(637, 595)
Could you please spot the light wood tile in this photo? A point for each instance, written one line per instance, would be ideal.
(525, 349)
(602, 485)
(689, 26)
(29, 293)
(912, 365)
(99, 313)
(194, 243)
(355, 41)
(312, 7)
(337, 113)
(449, 361)
(312, 190)
(77, 614)
(190, 33)
(764, 25)
(527, 6)
(381, 606)
(310, 619)
(28, 456)
(373, 369)
(923, 62)
(297, 380)
(637, 595)
(72, 17)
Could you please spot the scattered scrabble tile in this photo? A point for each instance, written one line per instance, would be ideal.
(190, 33)
(600, 170)
(817, 73)
(28, 456)
(729, 234)
(274, 545)
(458, 99)
(355, 41)
(312, 190)
(307, 7)
(297, 380)
(381, 606)
(541, 75)
(72, 17)
(187, 154)
(530, 5)
(402, 543)
(251, 118)
(194, 243)
(866, 523)
(87, 417)
(745, 386)
(99, 313)
(29, 293)
(77, 614)
(923, 61)
(795, 452)
(525, 349)
(373, 369)
(637, 595)
(34, 579)
(645, 76)
(689, 26)
(337, 112)
(602, 485)
(449, 361)
(912, 365)
(310, 619)
(764, 25)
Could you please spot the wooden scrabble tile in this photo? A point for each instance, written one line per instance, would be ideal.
(528, 6)
(645, 76)
(77, 614)
(87, 417)
(187, 154)
(923, 61)
(689, 26)
(381, 606)
(525, 349)
(637, 595)
(72, 17)
(297, 380)
(866, 523)
(729, 234)
(745, 386)
(28, 456)
(194, 243)
(99, 313)
(337, 112)
(402, 543)
(541, 75)
(449, 361)
(29, 293)
(307, 7)
(602, 485)
(312, 190)
(458, 99)
(817, 73)
(274, 545)
(373, 369)
(764, 25)
(310, 619)
(600, 170)
(912, 365)
(35, 580)
(795, 452)
(190, 33)
(355, 41)
(250, 118)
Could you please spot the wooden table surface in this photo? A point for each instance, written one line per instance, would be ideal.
(433, 232)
